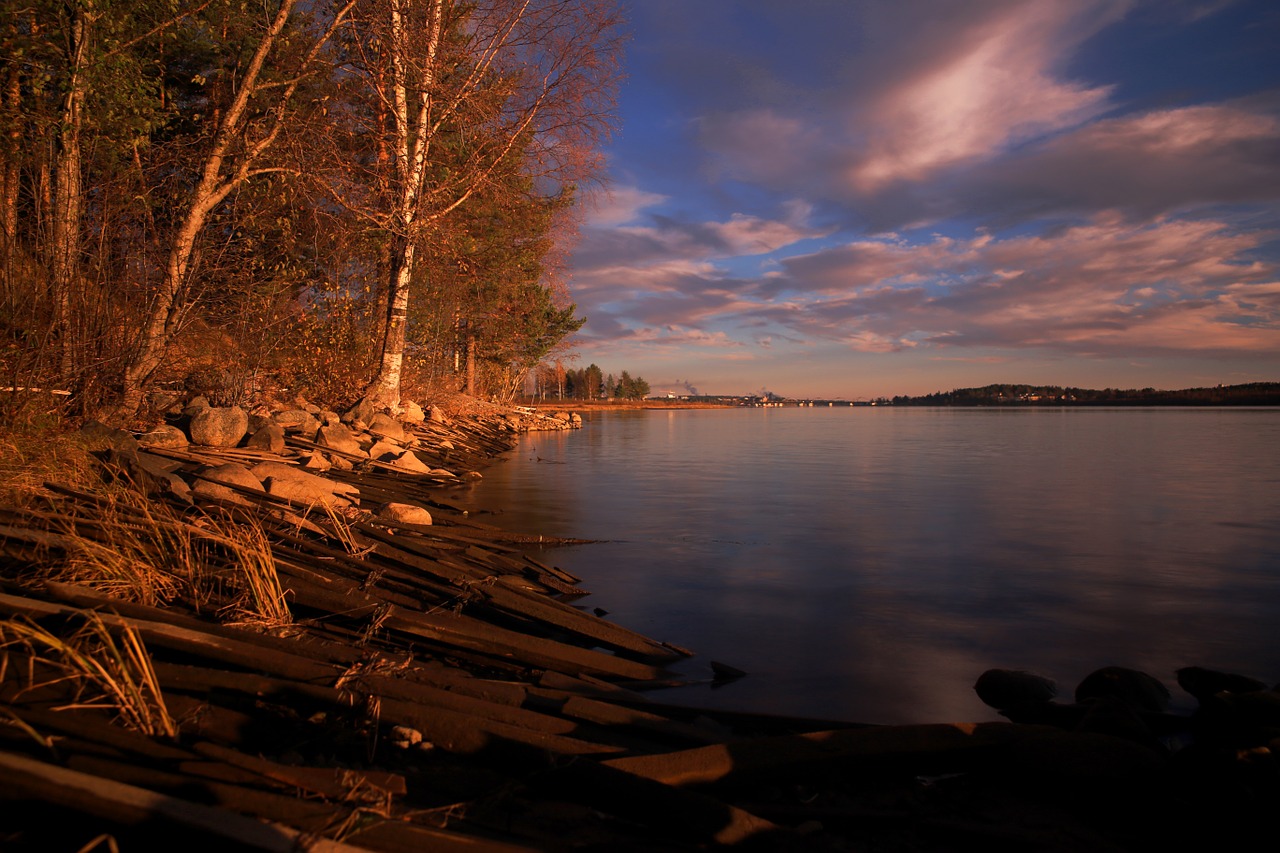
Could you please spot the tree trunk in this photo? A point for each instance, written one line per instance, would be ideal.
(64, 243)
(12, 110)
(471, 363)
(384, 391)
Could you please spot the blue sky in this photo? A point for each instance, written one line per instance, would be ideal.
(849, 198)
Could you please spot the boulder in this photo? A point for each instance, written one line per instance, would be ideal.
(384, 451)
(1010, 688)
(232, 474)
(293, 484)
(362, 411)
(215, 482)
(219, 427)
(436, 415)
(196, 405)
(316, 461)
(405, 514)
(408, 461)
(1204, 683)
(412, 412)
(163, 436)
(339, 438)
(298, 422)
(385, 426)
(98, 436)
(1135, 689)
(269, 437)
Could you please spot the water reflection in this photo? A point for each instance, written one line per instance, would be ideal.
(870, 563)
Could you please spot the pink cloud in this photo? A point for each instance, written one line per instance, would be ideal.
(1183, 285)
(995, 89)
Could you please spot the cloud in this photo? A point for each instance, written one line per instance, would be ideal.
(1104, 287)
(621, 205)
(1147, 164)
(996, 89)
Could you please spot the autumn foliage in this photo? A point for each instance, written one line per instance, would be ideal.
(291, 193)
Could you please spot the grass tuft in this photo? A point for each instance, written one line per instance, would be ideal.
(109, 673)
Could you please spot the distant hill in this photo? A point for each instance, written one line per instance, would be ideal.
(1250, 394)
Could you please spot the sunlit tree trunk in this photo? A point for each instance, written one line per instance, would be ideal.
(411, 107)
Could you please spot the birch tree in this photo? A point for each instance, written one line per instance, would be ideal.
(243, 135)
(486, 80)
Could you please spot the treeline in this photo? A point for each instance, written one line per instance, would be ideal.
(586, 383)
(1250, 394)
(348, 195)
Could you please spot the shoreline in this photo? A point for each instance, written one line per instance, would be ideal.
(429, 662)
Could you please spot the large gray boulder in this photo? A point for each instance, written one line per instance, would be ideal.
(293, 484)
(223, 426)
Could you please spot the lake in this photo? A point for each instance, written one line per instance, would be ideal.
(868, 564)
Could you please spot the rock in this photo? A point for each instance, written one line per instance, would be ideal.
(299, 422)
(436, 415)
(1203, 683)
(403, 737)
(388, 427)
(316, 461)
(445, 444)
(215, 482)
(163, 436)
(405, 514)
(270, 438)
(362, 411)
(1136, 689)
(441, 472)
(196, 405)
(151, 475)
(1009, 688)
(412, 412)
(219, 427)
(341, 463)
(330, 418)
(339, 438)
(408, 461)
(294, 484)
(384, 451)
(473, 475)
(562, 416)
(575, 419)
(98, 436)
(233, 474)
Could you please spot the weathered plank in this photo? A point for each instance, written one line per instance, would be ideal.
(24, 778)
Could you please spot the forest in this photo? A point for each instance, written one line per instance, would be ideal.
(353, 199)
(1248, 394)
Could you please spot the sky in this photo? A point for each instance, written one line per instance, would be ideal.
(865, 198)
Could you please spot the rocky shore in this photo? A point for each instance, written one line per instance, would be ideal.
(272, 630)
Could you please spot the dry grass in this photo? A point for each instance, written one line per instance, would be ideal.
(36, 451)
(106, 672)
(140, 550)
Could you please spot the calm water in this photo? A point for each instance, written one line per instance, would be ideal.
(870, 563)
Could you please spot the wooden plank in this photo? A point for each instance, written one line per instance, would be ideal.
(780, 757)
(24, 778)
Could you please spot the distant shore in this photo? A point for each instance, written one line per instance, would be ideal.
(621, 405)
